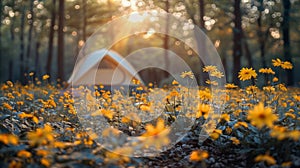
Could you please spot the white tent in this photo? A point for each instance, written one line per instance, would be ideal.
(105, 67)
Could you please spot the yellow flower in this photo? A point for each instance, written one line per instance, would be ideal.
(6, 105)
(265, 158)
(247, 73)
(275, 79)
(156, 136)
(215, 134)
(175, 82)
(45, 162)
(205, 94)
(266, 71)
(239, 124)
(217, 74)
(42, 152)
(278, 132)
(118, 155)
(261, 116)
(9, 139)
(187, 74)
(287, 65)
(34, 118)
(24, 154)
(107, 113)
(230, 86)
(45, 77)
(225, 117)
(198, 155)
(235, 140)
(31, 73)
(209, 68)
(277, 62)
(203, 110)
(41, 136)
(283, 65)
(295, 135)
(15, 164)
(211, 82)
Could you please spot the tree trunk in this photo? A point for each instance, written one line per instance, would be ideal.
(84, 20)
(201, 14)
(166, 39)
(37, 57)
(29, 39)
(237, 40)
(261, 37)
(286, 38)
(60, 42)
(247, 51)
(22, 46)
(51, 38)
(202, 45)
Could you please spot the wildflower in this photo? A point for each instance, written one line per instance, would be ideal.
(209, 68)
(107, 113)
(6, 105)
(118, 155)
(45, 162)
(275, 79)
(45, 77)
(205, 94)
(156, 136)
(230, 86)
(278, 132)
(277, 62)
(287, 65)
(225, 117)
(187, 74)
(203, 110)
(265, 158)
(239, 124)
(217, 74)
(198, 155)
(15, 164)
(175, 82)
(9, 83)
(286, 164)
(235, 140)
(283, 65)
(42, 152)
(145, 107)
(266, 71)
(31, 73)
(282, 87)
(295, 135)
(247, 73)
(24, 154)
(215, 134)
(9, 139)
(212, 82)
(269, 88)
(34, 118)
(41, 136)
(261, 116)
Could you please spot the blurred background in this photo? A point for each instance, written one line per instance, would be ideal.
(45, 36)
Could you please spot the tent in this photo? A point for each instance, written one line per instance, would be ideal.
(104, 67)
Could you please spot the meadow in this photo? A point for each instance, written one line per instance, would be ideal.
(259, 126)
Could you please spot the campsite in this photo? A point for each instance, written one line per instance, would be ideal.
(136, 83)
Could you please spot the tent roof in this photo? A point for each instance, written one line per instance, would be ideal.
(90, 61)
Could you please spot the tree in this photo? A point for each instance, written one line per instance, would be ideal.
(22, 46)
(60, 41)
(51, 38)
(29, 37)
(286, 38)
(237, 40)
